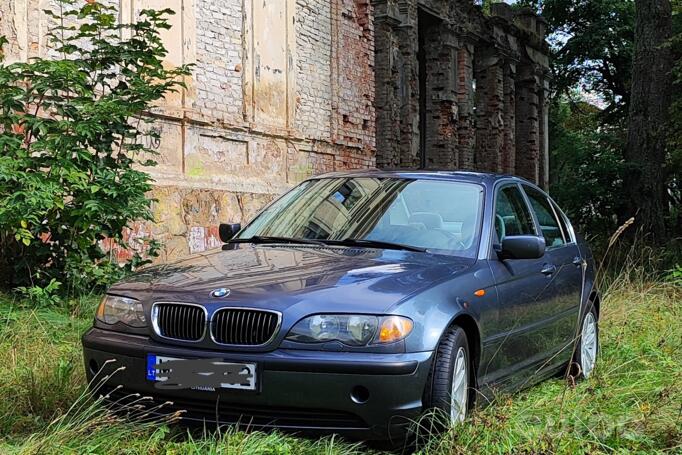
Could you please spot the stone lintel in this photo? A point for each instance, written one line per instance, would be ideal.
(388, 12)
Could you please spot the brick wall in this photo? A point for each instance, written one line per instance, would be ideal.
(219, 68)
(465, 90)
(314, 45)
(353, 78)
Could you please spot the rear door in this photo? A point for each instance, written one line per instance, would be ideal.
(524, 297)
(563, 255)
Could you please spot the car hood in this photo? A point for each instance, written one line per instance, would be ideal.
(314, 278)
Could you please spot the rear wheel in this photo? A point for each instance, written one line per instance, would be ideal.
(587, 347)
(451, 378)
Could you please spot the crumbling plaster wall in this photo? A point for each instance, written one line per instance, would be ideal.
(281, 90)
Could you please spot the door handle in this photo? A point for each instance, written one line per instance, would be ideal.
(548, 269)
(577, 261)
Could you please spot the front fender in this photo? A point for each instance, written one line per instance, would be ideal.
(435, 309)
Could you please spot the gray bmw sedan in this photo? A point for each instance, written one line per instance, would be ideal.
(353, 304)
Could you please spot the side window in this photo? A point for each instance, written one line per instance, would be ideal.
(563, 222)
(549, 224)
(511, 213)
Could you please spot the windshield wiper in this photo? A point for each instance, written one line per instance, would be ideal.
(275, 239)
(324, 242)
(375, 244)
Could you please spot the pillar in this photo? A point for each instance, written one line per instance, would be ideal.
(543, 105)
(466, 131)
(527, 122)
(508, 158)
(389, 80)
(441, 99)
(490, 122)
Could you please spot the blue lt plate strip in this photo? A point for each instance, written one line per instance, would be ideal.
(151, 371)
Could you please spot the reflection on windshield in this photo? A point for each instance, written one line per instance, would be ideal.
(441, 216)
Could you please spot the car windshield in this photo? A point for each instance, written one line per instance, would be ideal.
(439, 216)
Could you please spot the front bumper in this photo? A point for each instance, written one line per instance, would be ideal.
(308, 391)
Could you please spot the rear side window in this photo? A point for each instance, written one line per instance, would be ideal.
(563, 222)
(549, 224)
(511, 213)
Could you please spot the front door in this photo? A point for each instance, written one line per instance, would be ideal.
(525, 295)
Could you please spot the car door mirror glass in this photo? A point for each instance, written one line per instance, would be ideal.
(522, 247)
(228, 231)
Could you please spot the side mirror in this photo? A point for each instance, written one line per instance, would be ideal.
(228, 231)
(522, 247)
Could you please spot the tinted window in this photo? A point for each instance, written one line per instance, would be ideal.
(511, 214)
(441, 216)
(546, 217)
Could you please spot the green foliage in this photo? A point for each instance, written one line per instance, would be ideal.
(485, 6)
(42, 296)
(592, 47)
(587, 165)
(71, 159)
(675, 275)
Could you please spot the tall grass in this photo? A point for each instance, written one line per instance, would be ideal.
(631, 403)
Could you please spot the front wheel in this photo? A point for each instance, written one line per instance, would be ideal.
(451, 377)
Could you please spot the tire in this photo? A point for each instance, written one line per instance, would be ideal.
(447, 362)
(587, 346)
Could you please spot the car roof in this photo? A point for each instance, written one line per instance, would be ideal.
(486, 178)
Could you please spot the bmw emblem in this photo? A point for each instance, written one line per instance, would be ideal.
(220, 293)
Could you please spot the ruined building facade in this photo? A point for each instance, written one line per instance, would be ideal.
(457, 89)
(285, 89)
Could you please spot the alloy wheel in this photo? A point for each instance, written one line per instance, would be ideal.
(588, 345)
(460, 388)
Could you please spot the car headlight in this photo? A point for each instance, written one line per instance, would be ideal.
(115, 309)
(350, 329)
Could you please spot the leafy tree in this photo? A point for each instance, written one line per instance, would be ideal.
(71, 159)
(587, 167)
(592, 48)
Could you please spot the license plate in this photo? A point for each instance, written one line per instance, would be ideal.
(171, 373)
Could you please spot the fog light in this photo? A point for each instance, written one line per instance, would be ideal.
(359, 394)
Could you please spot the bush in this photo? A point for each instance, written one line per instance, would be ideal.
(71, 159)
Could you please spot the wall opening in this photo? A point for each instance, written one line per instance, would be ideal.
(425, 25)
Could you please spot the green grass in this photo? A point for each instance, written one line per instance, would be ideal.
(631, 404)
